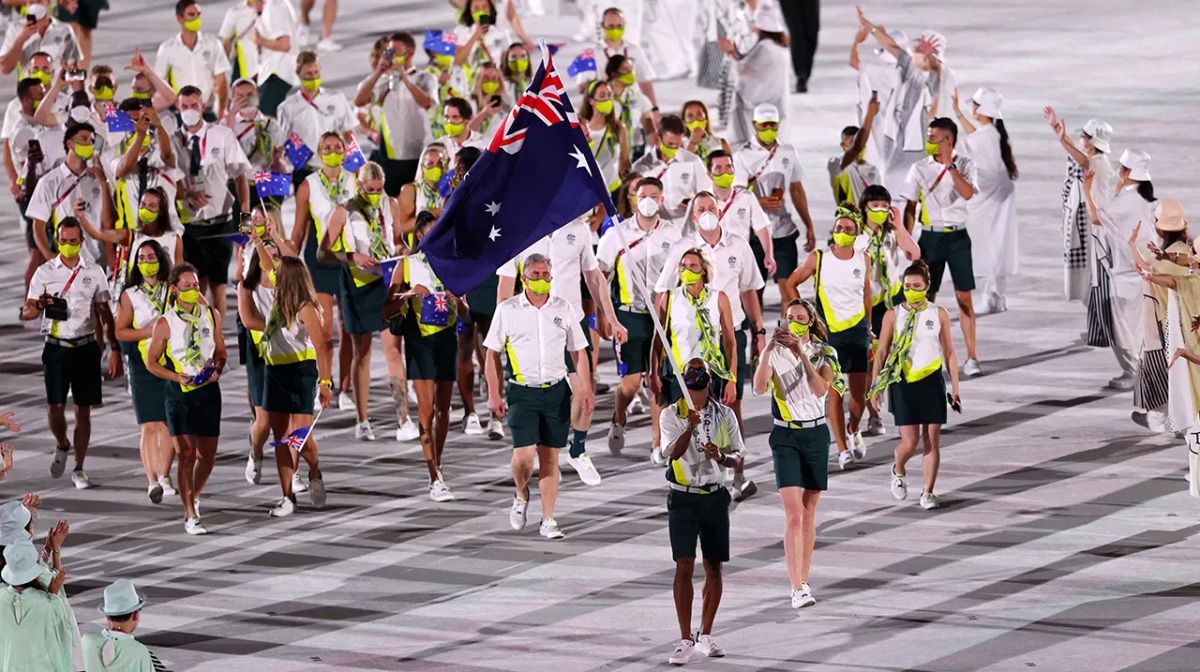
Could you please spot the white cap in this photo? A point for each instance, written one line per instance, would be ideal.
(1138, 163)
(37, 11)
(766, 112)
(1100, 133)
(766, 20)
(989, 101)
(21, 564)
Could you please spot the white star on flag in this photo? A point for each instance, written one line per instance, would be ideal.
(578, 156)
(494, 234)
(493, 208)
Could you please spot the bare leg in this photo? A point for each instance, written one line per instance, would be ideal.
(907, 447)
(443, 394)
(548, 479)
(858, 399)
(164, 449)
(328, 16)
(966, 319)
(466, 369)
(713, 587)
(83, 433)
(655, 413)
(219, 301)
(808, 530)
(793, 534)
(260, 430)
(147, 443)
(206, 458)
(624, 394)
(285, 460)
(362, 372)
(56, 416)
(684, 569)
(306, 7)
(522, 469)
(837, 418)
(185, 478)
(397, 380)
(932, 458)
(425, 412)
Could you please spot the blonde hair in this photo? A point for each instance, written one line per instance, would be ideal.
(706, 266)
(293, 289)
(370, 171)
(304, 58)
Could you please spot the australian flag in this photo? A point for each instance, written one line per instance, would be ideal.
(297, 152)
(296, 439)
(204, 374)
(440, 42)
(354, 157)
(584, 62)
(272, 184)
(435, 309)
(387, 268)
(118, 120)
(537, 175)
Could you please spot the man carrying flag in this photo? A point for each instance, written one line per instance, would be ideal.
(539, 163)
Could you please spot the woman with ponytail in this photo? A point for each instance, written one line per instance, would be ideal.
(993, 211)
(915, 345)
(799, 368)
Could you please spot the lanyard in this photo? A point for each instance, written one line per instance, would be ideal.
(66, 193)
(941, 175)
(729, 204)
(665, 168)
(754, 178)
(249, 127)
(644, 238)
(70, 281)
(314, 105)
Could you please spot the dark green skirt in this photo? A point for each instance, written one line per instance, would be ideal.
(195, 413)
(362, 307)
(290, 388)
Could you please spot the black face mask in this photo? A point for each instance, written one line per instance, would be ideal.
(696, 378)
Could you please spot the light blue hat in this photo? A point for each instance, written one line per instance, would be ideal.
(21, 564)
(14, 519)
(121, 598)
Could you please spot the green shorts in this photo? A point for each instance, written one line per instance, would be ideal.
(853, 347)
(76, 369)
(195, 413)
(692, 516)
(362, 307)
(290, 388)
(586, 325)
(633, 356)
(539, 416)
(787, 255)
(432, 357)
(948, 248)
(801, 457)
(482, 300)
(210, 254)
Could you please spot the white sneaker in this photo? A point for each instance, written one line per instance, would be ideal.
(285, 507)
(899, 485)
(584, 467)
(657, 457)
(327, 44)
(193, 526)
(616, 438)
(707, 646)
(408, 431)
(495, 430)
(440, 492)
(1122, 382)
(155, 492)
(1156, 421)
(253, 470)
(59, 466)
(363, 431)
(168, 489)
(80, 480)
(635, 407)
(845, 459)
(858, 446)
(517, 516)
(802, 597)
(929, 501)
(744, 490)
(297, 484)
(550, 529)
(471, 426)
(346, 402)
(875, 427)
(682, 653)
(303, 37)
(316, 492)
(972, 369)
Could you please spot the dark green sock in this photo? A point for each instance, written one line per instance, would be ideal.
(578, 441)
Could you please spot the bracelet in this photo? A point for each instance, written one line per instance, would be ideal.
(56, 551)
(325, 382)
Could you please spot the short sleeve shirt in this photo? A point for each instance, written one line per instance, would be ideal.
(327, 112)
(534, 339)
(681, 177)
(278, 18)
(58, 42)
(776, 171)
(89, 287)
(221, 158)
(180, 66)
(931, 184)
(569, 250)
(642, 265)
(238, 26)
(404, 128)
(719, 425)
(733, 264)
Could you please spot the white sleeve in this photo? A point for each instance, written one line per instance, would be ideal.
(12, 115)
(10, 38)
(36, 286)
(750, 277)
(607, 250)
(228, 29)
(737, 444)
(40, 202)
(587, 258)
(100, 284)
(236, 162)
(797, 174)
(223, 65)
(758, 217)
(576, 340)
(668, 279)
(641, 65)
(671, 426)
(162, 63)
(911, 184)
(508, 269)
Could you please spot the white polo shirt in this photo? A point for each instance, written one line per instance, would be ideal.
(534, 339)
(941, 204)
(259, 136)
(89, 287)
(681, 176)
(180, 66)
(238, 25)
(221, 157)
(404, 127)
(278, 18)
(54, 199)
(776, 170)
(641, 267)
(734, 268)
(58, 42)
(327, 112)
(127, 198)
(569, 250)
(740, 215)
(719, 425)
(453, 147)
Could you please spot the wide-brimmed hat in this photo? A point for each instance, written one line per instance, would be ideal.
(1169, 215)
(21, 564)
(121, 599)
(14, 521)
(989, 101)
(1100, 133)
(1138, 163)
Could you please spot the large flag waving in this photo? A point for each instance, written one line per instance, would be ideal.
(537, 175)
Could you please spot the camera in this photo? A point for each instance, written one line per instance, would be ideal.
(56, 308)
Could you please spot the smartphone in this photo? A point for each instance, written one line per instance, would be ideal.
(75, 75)
(34, 146)
(953, 404)
(496, 100)
(30, 19)
(388, 54)
(488, 19)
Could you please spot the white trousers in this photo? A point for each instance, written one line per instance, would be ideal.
(1129, 332)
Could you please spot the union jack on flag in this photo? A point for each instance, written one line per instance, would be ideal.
(354, 157)
(537, 174)
(297, 152)
(272, 184)
(296, 439)
(117, 120)
(435, 309)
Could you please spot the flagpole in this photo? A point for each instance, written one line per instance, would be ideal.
(311, 428)
(647, 296)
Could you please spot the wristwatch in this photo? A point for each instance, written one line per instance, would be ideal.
(761, 331)
(954, 166)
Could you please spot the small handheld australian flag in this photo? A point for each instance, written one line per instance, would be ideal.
(272, 184)
(297, 152)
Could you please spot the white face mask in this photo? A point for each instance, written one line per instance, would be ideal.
(190, 117)
(708, 221)
(80, 114)
(647, 207)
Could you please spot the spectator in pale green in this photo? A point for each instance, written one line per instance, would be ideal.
(36, 631)
(114, 649)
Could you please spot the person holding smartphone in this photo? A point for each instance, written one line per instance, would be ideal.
(915, 344)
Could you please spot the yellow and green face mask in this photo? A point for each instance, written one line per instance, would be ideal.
(914, 296)
(372, 199)
(69, 250)
(311, 85)
(146, 215)
(192, 25)
(333, 159)
(540, 286)
(443, 60)
(614, 34)
(189, 295)
(454, 128)
(931, 148)
(798, 328)
(43, 76)
(628, 78)
(689, 276)
(724, 181)
(604, 107)
(433, 173)
(667, 152)
(149, 269)
(85, 152)
(489, 88)
(767, 135)
(518, 64)
(696, 123)
(103, 93)
(844, 239)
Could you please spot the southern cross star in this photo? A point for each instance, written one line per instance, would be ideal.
(494, 234)
(578, 156)
(493, 208)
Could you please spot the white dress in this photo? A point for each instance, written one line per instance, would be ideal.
(762, 77)
(992, 213)
(672, 30)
